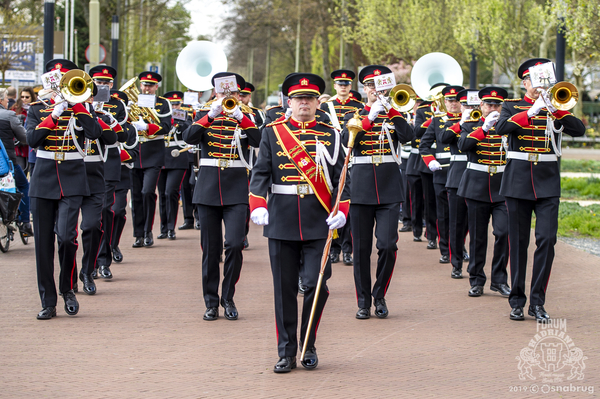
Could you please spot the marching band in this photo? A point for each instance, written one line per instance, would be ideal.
(322, 178)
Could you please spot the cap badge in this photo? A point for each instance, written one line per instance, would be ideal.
(343, 75)
(149, 76)
(58, 66)
(494, 94)
(303, 82)
(452, 91)
(377, 72)
(105, 71)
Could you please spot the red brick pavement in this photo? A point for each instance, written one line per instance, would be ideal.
(142, 335)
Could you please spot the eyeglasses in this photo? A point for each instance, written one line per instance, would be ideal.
(369, 85)
(25, 96)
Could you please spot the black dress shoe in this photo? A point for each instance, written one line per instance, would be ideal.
(503, 289)
(539, 313)
(94, 274)
(25, 229)
(381, 309)
(117, 255)
(456, 273)
(432, 244)
(405, 228)
(161, 236)
(285, 364)
(211, 314)
(444, 259)
(311, 360)
(139, 242)
(246, 243)
(197, 225)
(465, 255)
(231, 312)
(476, 290)
(363, 313)
(187, 225)
(417, 239)
(301, 287)
(517, 314)
(71, 304)
(104, 272)
(148, 240)
(348, 259)
(334, 258)
(89, 286)
(171, 235)
(47, 313)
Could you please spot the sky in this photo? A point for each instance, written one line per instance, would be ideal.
(206, 17)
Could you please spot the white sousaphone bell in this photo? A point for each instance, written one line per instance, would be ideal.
(435, 68)
(198, 62)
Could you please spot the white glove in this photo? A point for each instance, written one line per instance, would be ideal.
(465, 115)
(409, 119)
(196, 105)
(215, 109)
(237, 113)
(288, 113)
(490, 121)
(386, 104)
(336, 222)
(549, 105)
(140, 124)
(434, 166)
(376, 109)
(536, 107)
(260, 216)
(113, 121)
(59, 109)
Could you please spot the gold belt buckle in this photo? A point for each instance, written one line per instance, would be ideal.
(59, 156)
(376, 159)
(533, 157)
(492, 169)
(224, 163)
(302, 190)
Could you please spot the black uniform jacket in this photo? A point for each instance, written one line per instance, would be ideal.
(294, 217)
(376, 184)
(258, 117)
(218, 186)
(276, 112)
(152, 153)
(112, 166)
(53, 179)
(422, 120)
(528, 179)
(174, 141)
(341, 108)
(483, 149)
(97, 148)
(456, 169)
(441, 152)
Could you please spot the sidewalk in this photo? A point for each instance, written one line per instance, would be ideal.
(142, 335)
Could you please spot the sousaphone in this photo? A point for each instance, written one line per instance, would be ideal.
(198, 62)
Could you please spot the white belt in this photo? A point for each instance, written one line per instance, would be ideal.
(173, 144)
(404, 154)
(443, 155)
(531, 157)
(221, 163)
(461, 157)
(93, 158)
(414, 150)
(374, 159)
(486, 168)
(115, 145)
(143, 139)
(58, 156)
(292, 189)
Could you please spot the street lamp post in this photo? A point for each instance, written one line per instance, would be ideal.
(114, 35)
(48, 30)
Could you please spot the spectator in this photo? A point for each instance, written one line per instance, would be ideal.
(21, 107)
(12, 96)
(10, 128)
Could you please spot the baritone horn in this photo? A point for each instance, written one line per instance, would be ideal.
(403, 98)
(563, 96)
(76, 86)
(135, 111)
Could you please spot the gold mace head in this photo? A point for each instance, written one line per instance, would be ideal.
(354, 126)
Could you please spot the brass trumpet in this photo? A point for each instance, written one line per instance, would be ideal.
(76, 86)
(475, 114)
(563, 96)
(229, 102)
(403, 98)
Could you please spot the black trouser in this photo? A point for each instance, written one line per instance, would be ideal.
(441, 209)
(519, 230)
(479, 219)
(385, 220)
(143, 199)
(344, 241)
(169, 183)
(187, 191)
(416, 204)
(91, 230)
(211, 238)
(108, 224)
(52, 217)
(458, 219)
(285, 266)
(120, 211)
(406, 211)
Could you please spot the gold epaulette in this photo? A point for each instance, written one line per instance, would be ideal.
(472, 120)
(350, 112)
(512, 99)
(36, 103)
(272, 106)
(325, 124)
(277, 122)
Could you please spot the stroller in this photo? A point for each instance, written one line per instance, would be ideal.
(9, 202)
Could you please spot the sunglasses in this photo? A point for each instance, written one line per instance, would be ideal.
(25, 96)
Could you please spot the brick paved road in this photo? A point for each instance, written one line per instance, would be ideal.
(142, 335)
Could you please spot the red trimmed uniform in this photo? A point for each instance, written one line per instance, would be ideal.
(221, 195)
(341, 107)
(58, 185)
(376, 198)
(297, 224)
(531, 185)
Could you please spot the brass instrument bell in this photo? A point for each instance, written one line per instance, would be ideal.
(76, 86)
(563, 96)
(403, 98)
(475, 114)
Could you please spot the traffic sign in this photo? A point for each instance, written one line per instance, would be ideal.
(102, 53)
